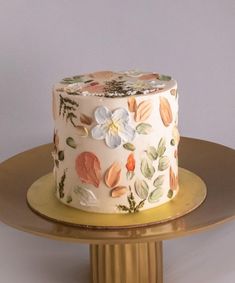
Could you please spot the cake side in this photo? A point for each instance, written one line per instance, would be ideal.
(116, 154)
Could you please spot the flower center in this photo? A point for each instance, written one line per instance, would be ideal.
(113, 127)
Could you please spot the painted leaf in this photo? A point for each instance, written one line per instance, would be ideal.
(144, 128)
(132, 105)
(147, 168)
(161, 147)
(152, 153)
(82, 131)
(61, 155)
(176, 135)
(155, 195)
(118, 191)
(170, 194)
(112, 175)
(164, 163)
(129, 146)
(141, 188)
(143, 111)
(173, 91)
(164, 78)
(71, 142)
(130, 165)
(165, 111)
(88, 168)
(85, 119)
(173, 180)
(86, 197)
(158, 182)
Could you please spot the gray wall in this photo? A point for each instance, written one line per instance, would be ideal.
(44, 41)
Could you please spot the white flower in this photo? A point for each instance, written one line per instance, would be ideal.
(112, 126)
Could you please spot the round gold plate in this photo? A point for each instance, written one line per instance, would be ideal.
(214, 163)
(42, 200)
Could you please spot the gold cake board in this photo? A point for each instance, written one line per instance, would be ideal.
(41, 198)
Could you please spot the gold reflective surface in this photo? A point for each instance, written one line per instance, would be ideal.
(214, 163)
(41, 198)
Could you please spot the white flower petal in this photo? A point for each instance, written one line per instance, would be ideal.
(102, 114)
(126, 132)
(98, 132)
(120, 114)
(112, 140)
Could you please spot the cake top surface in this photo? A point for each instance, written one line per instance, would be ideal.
(116, 84)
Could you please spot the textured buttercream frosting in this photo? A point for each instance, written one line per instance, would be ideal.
(115, 141)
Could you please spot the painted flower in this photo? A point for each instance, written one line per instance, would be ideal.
(113, 126)
(130, 166)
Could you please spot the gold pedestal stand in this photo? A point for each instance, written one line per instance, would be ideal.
(129, 263)
(131, 254)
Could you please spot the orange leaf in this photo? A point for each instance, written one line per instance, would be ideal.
(173, 180)
(165, 111)
(112, 175)
(88, 168)
(118, 191)
(132, 104)
(130, 165)
(143, 111)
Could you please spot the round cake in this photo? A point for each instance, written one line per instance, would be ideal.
(115, 141)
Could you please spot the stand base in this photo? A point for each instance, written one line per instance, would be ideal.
(127, 263)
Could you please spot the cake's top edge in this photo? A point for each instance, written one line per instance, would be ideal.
(115, 84)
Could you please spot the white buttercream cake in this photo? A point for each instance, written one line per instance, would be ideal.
(115, 141)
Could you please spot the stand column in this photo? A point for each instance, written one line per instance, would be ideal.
(127, 263)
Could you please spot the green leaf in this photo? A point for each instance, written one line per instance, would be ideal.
(164, 163)
(141, 188)
(61, 155)
(161, 147)
(71, 142)
(164, 78)
(129, 146)
(170, 194)
(68, 199)
(155, 195)
(144, 128)
(158, 181)
(147, 168)
(152, 153)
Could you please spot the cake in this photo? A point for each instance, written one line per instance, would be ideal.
(115, 141)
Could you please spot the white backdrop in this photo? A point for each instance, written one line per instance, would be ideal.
(44, 41)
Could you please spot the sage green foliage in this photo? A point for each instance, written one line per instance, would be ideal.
(155, 195)
(152, 153)
(164, 163)
(143, 128)
(61, 185)
(71, 142)
(133, 206)
(129, 146)
(170, 194)
(161, 147)
(141, 188)
(147, 168)
(61, 155)
(72, 80)
(67, 109)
